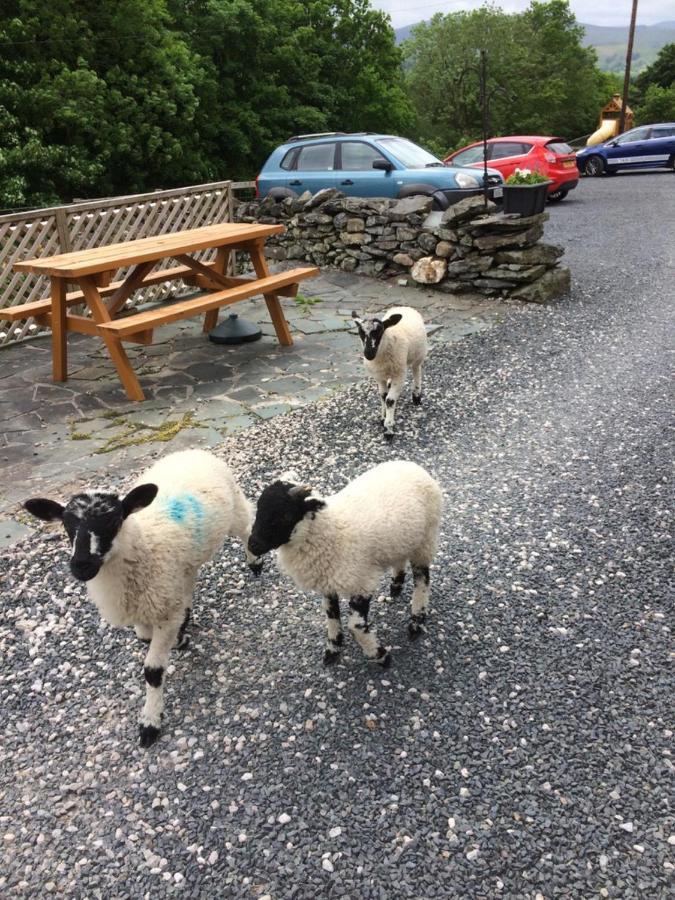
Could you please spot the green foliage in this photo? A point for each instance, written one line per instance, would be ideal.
(126, 95)
(541, 80)
(658, 105)
(653, 95)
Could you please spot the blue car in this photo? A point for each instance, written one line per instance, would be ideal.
(367, 165)
(646, 147)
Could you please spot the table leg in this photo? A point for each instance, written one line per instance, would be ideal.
(59, 330)
(117, 352)
(273, 305)
(220, 266)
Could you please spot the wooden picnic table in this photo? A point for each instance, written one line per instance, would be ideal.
(92, 271)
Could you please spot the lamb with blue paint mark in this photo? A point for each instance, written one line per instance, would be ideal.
(140, 554)
(342, 545)
(391, 345)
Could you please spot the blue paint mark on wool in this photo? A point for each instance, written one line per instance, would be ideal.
(186, 509)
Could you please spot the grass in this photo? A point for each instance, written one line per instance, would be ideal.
(306, 303)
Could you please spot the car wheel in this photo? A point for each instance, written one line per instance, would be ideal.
(594, 166)
(557, 196)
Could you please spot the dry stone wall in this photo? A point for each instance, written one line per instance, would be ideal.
(463, 249)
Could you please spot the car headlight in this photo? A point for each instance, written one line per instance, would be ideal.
(466, 181)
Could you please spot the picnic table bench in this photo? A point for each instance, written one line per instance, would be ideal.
(91, 271)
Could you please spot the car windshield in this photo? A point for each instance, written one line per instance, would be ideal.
(409, 154)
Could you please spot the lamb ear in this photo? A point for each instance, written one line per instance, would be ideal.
(314, 504)
(138, 498)
(47, 510)
(299, 489)
(392, 320)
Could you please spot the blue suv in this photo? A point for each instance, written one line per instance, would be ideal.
(367, 165)
(646, 147)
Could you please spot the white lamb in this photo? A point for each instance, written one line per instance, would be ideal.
(140, 554)
(342, 545)
(390, 346)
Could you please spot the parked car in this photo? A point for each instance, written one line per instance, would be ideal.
(549, 155)
(646, 147)
(367, 165)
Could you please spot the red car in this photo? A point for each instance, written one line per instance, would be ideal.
(549, 155)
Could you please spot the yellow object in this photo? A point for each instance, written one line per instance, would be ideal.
(608, 129)
(610, 116)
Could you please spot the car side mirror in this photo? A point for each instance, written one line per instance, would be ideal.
(382, 164)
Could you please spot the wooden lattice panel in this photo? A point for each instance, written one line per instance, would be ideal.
(96, 224)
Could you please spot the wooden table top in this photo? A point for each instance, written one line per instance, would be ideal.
(163, 246)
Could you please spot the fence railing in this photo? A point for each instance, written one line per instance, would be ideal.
(96, 223)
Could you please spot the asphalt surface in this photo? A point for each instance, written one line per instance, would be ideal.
(521, 749)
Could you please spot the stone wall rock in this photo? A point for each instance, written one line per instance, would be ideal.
(463, 248)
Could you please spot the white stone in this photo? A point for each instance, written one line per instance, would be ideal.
(335, 832)
(284, 818)
(247, 776)
(671, 839)
(429, 270)
(627, 826)
(472, 854)
(327, 865)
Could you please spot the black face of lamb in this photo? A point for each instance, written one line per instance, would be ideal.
(92, 521)
(280, 507)
(371, 332)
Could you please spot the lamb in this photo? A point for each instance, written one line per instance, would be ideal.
(342, 545)
(390, 345)
(140, 554)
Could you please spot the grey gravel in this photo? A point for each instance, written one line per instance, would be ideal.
(506, 753)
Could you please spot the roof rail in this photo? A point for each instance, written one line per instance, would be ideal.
(320, 134)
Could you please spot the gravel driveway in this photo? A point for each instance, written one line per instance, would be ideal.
(522, 749)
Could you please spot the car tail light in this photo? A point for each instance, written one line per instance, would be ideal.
(257, 192)
(549, 157)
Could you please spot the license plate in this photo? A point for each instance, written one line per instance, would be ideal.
(498, 192)
(569, 164)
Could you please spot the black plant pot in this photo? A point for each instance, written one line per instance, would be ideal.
(525, 199)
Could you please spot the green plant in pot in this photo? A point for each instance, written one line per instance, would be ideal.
(525, 192)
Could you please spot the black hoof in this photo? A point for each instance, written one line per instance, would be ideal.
(148, 735)
(183, 643)
(414, 630)
(339, 640)
(389, 435)
(144, 640)
(417, 399)
(330, 657)
(256, 568)
(385, 661)
(396, 591)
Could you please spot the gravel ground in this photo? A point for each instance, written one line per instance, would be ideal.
(522, 749)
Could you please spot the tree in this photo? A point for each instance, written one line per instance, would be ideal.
(105, 103)
(542, 80)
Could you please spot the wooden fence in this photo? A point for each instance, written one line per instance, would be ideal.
(96, 223)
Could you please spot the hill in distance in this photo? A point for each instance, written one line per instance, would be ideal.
(610, 43)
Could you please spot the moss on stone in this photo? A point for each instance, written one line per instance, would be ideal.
(136, 433)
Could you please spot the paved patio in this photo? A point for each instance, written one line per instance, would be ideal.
(55, 436)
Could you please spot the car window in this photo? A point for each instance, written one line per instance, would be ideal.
(356, 155)
(287, 162)
(559, 147)
(668, 131)
(638, 134)
(466, 157)
(409, 154)
(316, 158)
(503, 149)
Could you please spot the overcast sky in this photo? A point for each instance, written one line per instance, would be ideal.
(598, 12)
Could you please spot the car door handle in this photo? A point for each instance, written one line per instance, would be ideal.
(295, 182)
(347, 181)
